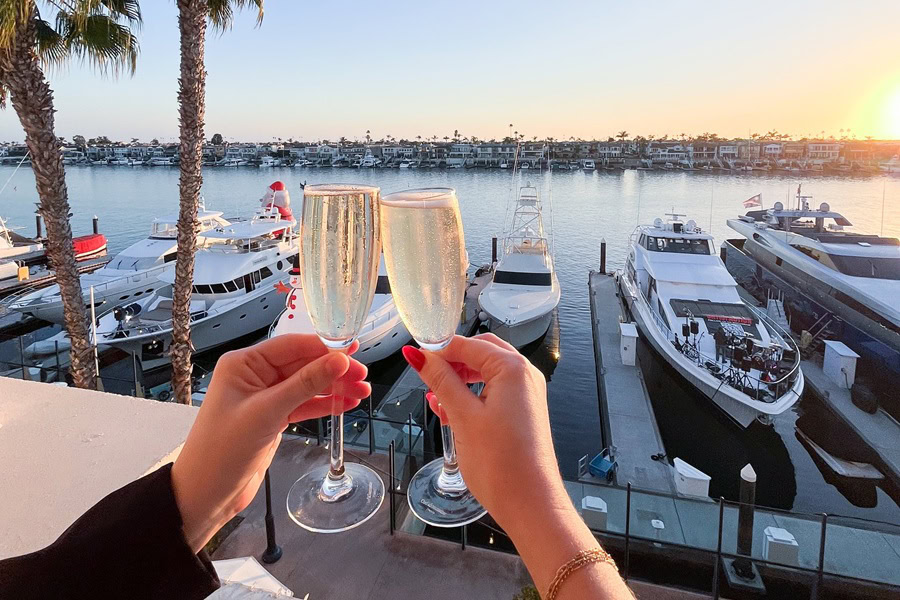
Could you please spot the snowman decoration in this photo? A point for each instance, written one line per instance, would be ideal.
(295, 289)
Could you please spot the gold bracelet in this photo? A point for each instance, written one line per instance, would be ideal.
(585, 557)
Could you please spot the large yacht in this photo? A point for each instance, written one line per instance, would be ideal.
(854, 277)
(131, 274)
(12, 247)
(234, 293)
(524, 290)
(680, 294)
(381, 335)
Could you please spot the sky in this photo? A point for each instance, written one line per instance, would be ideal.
(322, 70)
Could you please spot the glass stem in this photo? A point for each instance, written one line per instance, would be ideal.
(450, 481)
(337, 483)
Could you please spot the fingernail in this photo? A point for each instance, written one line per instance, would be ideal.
(414, 357)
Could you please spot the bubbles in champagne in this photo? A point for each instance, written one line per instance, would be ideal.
(424, 252)
(340, 248)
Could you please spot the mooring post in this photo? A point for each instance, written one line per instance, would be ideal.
(273, 550)
(96, 223)
(493, 250)
(37, 226)
(603, 255)
(742, 565)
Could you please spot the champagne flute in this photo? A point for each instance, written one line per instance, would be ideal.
(340, 248)
(425, 256)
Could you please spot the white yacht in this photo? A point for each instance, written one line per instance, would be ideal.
(519, 300)
(162, 161)
(404, 164)
(131, 274)
(267, 161)
(381, 335)
(680, 294)
(235, 291)
(854, 276)
(588, 165)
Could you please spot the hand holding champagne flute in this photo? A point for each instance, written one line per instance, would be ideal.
(425, 256)
(340, 248)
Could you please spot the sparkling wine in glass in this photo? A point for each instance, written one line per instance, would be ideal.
(340, 247)
(426, 260)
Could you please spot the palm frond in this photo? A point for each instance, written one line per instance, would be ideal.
(221, 12)
(99, 40)
(50, 45)
(13, 15)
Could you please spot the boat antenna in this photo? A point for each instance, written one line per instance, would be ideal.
(550, 197)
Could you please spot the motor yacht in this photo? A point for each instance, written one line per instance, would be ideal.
(829, 273)
(381, 335)
(131, 274)
(519, 300)
(267, 161)
(687, 307)
(234, 292)
(891, 166)
(12, 247)
(588, 165)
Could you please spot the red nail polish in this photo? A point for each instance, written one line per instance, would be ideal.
(414, 357)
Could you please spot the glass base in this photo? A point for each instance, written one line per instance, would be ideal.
(331, 506)
(439, 506)
(337, 344)
(435, 346)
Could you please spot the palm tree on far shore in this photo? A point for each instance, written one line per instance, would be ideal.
(192, 21)
(622, 135)
(101, 34)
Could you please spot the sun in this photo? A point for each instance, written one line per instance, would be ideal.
(892, 114)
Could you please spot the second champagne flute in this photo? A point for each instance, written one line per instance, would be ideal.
(340, 247)
(425, 256)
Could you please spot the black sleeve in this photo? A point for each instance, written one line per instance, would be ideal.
(129, 545)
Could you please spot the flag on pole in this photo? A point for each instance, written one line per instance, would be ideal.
(753, 201)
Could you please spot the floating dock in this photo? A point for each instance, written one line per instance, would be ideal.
(627, 415)
(879, 431)
(48, 277)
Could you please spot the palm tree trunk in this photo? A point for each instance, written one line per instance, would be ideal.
(33, 101)
(192, 105)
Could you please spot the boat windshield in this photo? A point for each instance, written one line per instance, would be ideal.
(677, 245)
(516, 278)
(164, 230)
(867, 266)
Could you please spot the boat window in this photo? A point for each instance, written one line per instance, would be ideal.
(231, 286)
(513, 278)
(866, 311)
(383, 286)
(265, 272)
(867, 266)
(678, 245)
(255, 276)
(170, 257)
(202, 289)
(218, 288)
(662, 313)
(239, 282)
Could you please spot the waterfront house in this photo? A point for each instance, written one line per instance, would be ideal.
(749, 151)
(610, 152)
(793, 150)
(703, 152)
(728, 151)
(823, 152)
(772, 150)
(662, 152)
(460, 154)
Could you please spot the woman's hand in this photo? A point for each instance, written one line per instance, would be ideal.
(506, 456)
(502, 437)
(254, 394)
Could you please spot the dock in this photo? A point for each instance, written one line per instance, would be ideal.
(628, 420)
(878, 431)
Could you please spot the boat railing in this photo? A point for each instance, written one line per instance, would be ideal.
(19, 301)
(244, 248)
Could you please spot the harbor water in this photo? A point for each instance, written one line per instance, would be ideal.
(586, 207)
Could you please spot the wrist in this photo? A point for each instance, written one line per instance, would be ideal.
(199, 521)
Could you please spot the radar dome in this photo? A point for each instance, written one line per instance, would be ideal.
(779, 206)
(691, 225)
(824, 207)
(657, 222)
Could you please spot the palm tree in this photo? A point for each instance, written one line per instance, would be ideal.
(192, 18)
(98, 32)
(368, 136)
(622, 135)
